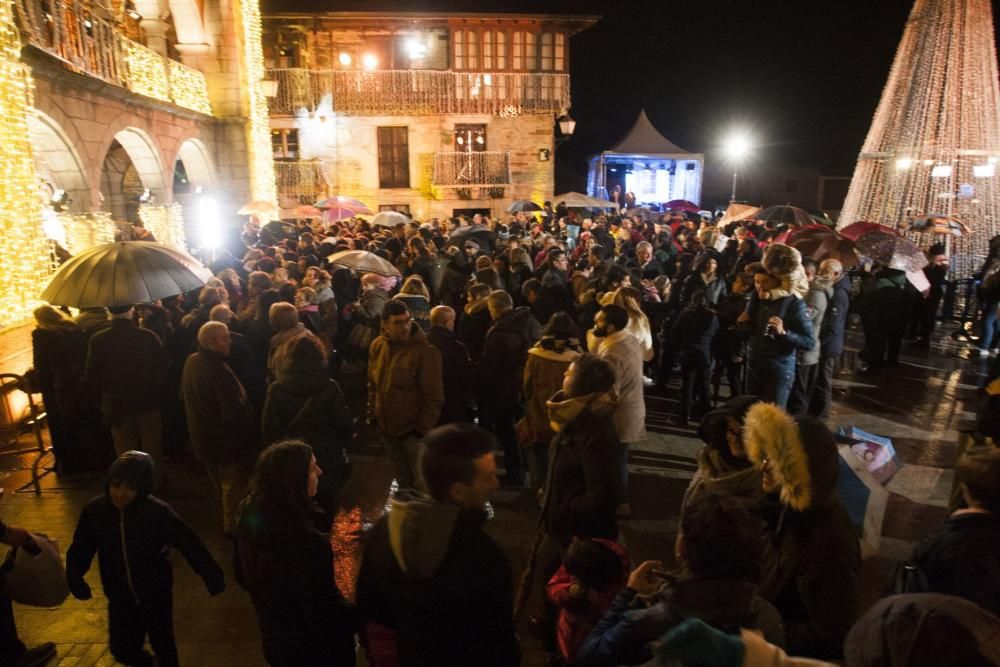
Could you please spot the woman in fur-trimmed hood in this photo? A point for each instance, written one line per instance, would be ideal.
(810, 572)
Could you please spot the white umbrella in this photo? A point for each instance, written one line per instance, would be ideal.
(363, 261)
(737, 212)
(124, 273)
(389, 219)
(577, 200)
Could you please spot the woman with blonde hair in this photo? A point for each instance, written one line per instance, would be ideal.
(629, 298)
(416, 297)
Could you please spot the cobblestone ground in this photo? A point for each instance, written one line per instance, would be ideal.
(920, 405)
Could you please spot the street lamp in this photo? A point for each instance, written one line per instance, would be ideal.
(566, 128)
(737, 147)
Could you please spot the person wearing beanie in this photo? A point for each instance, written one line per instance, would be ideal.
(811, 571)
(131, 532)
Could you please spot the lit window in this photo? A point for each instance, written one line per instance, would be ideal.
(559, 63)
(471, 49)
(530, 52)
(501, 50)
(488, 50)
(548, 39)
(517, 45)
(459, 49)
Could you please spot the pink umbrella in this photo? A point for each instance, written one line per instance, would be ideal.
(340, 201)
(681, 205)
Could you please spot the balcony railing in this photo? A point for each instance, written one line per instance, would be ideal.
(74, 32)
(416, 92)
(465, 170)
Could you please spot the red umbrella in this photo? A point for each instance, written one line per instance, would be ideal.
(681, 205)
(820, 242)
(856, 229)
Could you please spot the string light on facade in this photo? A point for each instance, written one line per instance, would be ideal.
(165, 221)
(147, 73)
(22, 242)
(260, 157)
(936, 128)
(188, 88)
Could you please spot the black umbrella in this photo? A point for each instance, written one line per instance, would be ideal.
(523, 206)
(124, 273)
(478, 233)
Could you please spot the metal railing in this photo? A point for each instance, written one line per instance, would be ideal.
(473, 169)
(405, 92)
(78, 34)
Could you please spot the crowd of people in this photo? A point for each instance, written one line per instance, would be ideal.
(536, 338)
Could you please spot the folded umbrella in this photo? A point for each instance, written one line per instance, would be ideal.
(363, 261)
(124, 273)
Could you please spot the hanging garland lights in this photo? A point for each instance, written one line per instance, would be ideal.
(165, 221)
(935, 139)
(260, 157)
(22, 243)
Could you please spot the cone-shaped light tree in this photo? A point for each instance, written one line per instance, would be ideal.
(934, 144)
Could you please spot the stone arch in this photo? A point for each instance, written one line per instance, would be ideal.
(197, 161)
(188, 22)
(57, 159)
(131, 164)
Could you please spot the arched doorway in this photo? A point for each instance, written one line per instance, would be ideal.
(131, 174)
(193, 168)
(57, 163)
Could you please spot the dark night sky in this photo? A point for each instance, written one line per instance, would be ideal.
(803, 75)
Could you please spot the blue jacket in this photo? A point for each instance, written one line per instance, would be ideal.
(779, 350)
(831, 334)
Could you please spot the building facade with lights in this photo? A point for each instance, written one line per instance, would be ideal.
(427, 113)
(123, 110)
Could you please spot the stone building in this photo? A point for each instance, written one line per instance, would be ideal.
(132, 110)
(432, 114)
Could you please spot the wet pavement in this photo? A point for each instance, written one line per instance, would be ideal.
(921, 405)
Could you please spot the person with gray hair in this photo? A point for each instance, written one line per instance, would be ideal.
(456, 366)
(831, 335)
(248, 369)
(223, 434)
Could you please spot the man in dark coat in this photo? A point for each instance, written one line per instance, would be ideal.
(964, 558)
(555, 296)
(220, 422)
(456, 367)
(431, 573)
(692, 335)
(501, 372)
(126, 366)
(831, 335)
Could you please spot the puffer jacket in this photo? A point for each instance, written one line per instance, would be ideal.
(405, 391)
(504, 354)
(774, 351)
(811, 569)
(543, 377)
(583, 470)
(817, 303)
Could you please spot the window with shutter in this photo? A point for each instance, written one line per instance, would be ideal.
(393, 157)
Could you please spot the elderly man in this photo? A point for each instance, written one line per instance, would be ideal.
(220, 422)
(405, 392)
(456, 366)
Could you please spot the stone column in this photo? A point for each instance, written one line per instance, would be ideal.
(154, 31)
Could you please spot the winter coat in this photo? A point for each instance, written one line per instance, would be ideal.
(420, 308)
(456, 375)
(834, 327)
(505, 352)
(472, 327)
(287, 566)
(692, 336)
(773, 351)
(405, 390)
(126, 365)
(924, 629)
(729, 341)
(578, 612)
(554, 296)
(133, 543)
(58, 358)
(580, 490)
(881, 298)
(304, 403)
(623, 352)
(219, 417)
(623, 635)
(433, 575)
(817, 301)
(964, 559)
(543, 378)
(810, 572)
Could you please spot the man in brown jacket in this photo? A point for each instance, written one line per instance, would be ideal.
(405, 388)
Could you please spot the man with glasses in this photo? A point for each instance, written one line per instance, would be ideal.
(405, 388)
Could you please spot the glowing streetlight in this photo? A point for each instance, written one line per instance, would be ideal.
(369, 61)
(737, 147)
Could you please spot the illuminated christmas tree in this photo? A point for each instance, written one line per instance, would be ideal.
(932, 150)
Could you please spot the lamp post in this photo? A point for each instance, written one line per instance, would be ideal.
(737, 147)
(566, 128)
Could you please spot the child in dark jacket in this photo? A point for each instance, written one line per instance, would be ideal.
(132, 531)
(593, 572)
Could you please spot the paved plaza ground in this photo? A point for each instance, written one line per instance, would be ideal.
(920, 405)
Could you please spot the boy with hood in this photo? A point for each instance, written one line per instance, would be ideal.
(810, 572)
(431, 573)
(132, 531)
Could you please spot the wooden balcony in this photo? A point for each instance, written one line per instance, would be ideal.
(476, 169)
(418, 92)
(88, 43)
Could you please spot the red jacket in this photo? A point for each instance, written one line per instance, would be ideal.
(579, 615)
